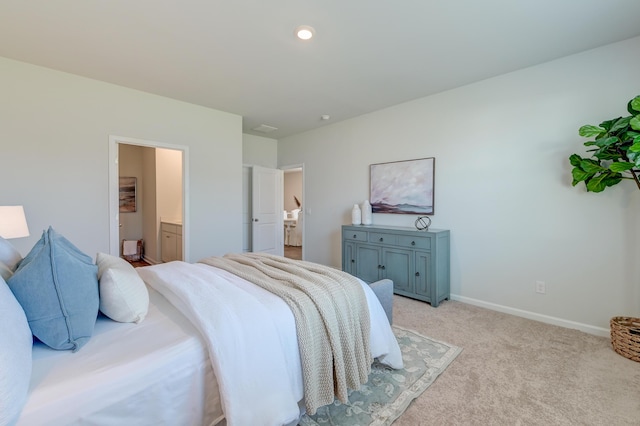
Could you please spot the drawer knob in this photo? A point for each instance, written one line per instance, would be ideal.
(417, 274)
(381, 239)
(355, 236)
(379, 266)
(413, 243)
(353, 261)
(383, 267)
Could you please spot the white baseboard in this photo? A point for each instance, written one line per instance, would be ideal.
(150, 260)
(598, 331)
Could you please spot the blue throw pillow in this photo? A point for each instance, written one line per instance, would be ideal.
(57, 286)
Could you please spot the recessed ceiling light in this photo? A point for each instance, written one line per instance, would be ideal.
(304, 32)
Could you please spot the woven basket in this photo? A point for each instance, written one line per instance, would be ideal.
(625, 337)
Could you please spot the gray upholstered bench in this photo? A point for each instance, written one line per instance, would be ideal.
(384, 290)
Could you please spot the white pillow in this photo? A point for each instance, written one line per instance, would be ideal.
(123, 295)
(16, 343)
(9, 255)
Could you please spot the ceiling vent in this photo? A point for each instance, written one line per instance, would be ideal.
(264, 128)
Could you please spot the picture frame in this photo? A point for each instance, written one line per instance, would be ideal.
(127, 194)
(403, 187)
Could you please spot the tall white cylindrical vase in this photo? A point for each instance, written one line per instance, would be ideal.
(356, 215)
(366, 213)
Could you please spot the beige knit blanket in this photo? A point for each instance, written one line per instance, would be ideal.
(332, 320)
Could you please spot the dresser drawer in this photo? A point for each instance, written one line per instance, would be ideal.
(383, 238)
(353, 235)
(414, 242)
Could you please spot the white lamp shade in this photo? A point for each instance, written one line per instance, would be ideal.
(13, 223)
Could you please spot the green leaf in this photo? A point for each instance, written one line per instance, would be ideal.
(597, 184)
(588, 130)
(620, 123)
(621, 166)
(607, 155)
(634, 105)
(591, 166)
(607, 141)
(635, 122)
(575, 160)
(613, 180)
(627, 136)
(606, 125)
(636, 145)
(579, 175)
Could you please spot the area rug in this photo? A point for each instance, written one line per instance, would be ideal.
(389, 392)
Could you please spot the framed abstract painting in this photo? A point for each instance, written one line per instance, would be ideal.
(403, 187)
(127, 194)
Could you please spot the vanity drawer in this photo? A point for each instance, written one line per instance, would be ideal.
(169, 227)
(414, 242)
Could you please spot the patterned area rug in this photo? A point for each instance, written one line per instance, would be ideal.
(389, 392)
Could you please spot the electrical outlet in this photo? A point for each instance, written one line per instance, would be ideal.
(541, 287)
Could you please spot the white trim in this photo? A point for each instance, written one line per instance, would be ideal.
(114, 214)
(598, 331)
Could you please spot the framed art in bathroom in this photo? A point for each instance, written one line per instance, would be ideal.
(127, 194)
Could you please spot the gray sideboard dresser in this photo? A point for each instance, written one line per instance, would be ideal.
(416, 261)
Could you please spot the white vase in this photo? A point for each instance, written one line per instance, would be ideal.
(356, 215)
(366, 213)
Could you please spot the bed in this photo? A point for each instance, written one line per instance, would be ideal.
(226, 353)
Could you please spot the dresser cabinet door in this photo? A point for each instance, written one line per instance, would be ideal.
(397, 265)
(368, 262)
(349, 257)
(423, 274)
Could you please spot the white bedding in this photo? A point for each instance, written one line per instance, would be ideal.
(155, 372)
(227, 344)
(260, 382)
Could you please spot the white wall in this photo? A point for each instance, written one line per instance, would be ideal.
(259, 151)
(169, 184)
(502, 185)
(54, 140)
(292, 187)
(130, 165)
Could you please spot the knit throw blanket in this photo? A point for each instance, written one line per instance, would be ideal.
(332, 320)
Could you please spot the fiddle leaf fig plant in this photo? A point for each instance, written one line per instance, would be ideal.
(615, 152)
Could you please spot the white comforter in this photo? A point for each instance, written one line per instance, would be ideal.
(251, 337)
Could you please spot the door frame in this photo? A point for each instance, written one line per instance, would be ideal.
(114, 203)
(304, 210)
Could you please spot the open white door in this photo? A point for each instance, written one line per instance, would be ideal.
(267, 218)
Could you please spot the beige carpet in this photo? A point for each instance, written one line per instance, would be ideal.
(515, 371)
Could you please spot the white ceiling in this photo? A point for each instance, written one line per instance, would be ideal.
(240, 56)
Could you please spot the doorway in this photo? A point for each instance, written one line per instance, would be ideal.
(293, 212)
(160, 175)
